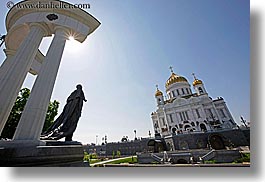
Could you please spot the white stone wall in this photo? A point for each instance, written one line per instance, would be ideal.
(178, 90)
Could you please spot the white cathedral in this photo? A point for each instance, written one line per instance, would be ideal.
(182, 111)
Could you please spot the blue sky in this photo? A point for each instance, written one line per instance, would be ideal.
(121, 62)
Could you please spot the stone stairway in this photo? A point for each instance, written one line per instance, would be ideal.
(157, 159)
(210, 155)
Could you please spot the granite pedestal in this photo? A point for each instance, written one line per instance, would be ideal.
(52, 154)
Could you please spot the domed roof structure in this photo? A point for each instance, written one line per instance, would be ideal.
(158, 92)
(174, 78)
(196, 82)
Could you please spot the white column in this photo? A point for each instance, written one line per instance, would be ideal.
(6, 65)
(217, 114)
(166, 120)
(15, 75)
(33, 117)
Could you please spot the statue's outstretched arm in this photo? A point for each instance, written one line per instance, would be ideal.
(84, 98)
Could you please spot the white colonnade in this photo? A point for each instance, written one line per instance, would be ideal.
(25, 31)
(33, 117)
(18, 67)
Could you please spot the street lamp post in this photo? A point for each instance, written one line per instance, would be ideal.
(149, 133)
(135, 135)
(105, 139)
(96, 139)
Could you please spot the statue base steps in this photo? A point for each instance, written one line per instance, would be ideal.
(29, 154)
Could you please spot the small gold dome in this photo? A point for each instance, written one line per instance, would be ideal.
(196, 82)
(158, 93)
(174, 79)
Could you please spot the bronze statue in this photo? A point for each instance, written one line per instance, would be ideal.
(66, 123)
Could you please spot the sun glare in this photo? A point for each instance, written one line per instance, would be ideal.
(71, 38)
(72, 45)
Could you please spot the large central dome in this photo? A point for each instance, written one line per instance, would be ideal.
(174, 78)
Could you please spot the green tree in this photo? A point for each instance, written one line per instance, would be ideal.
(118, 153)
(51, 113)
(113, 154)
(16, 112)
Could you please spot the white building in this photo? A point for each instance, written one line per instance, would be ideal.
(182, 111)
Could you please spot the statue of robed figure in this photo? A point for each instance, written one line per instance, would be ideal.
(66, 123)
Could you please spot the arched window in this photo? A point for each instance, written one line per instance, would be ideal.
(200, 90)
(203, 127)
(174, 130)
(187, 127)
(180, 125)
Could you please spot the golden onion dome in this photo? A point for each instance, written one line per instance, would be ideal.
(175, 79)
(196, 82)
(158, 93)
